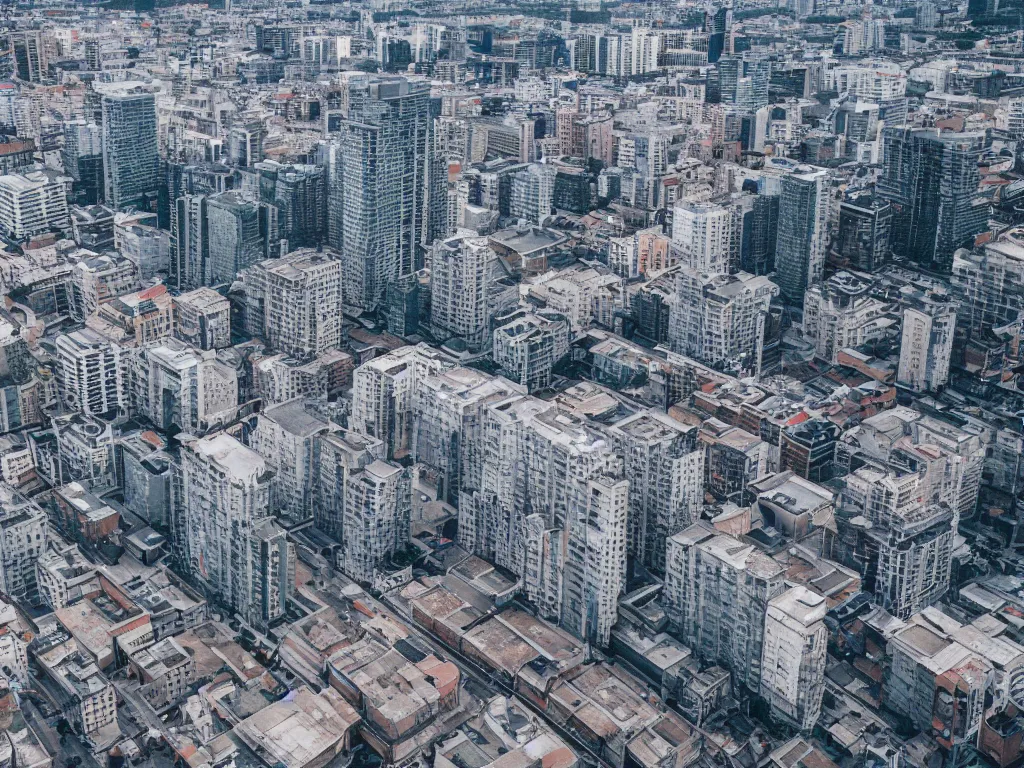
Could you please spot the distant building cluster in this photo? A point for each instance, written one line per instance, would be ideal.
(511, 385)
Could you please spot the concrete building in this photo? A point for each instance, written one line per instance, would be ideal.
(176, 386)
(23, 540)
(464, 291)
(719, 319)
(716, 595)
(98, 279)
(287, 437)
(527, 345)
(166, 672)
(794, 655)
(147, 247)
(294, 303)
(377, 505)
(218, 526)
(929, 324)
(383, 391)
(136, 319)
(90, 372)
(702, 237)
(343, 457)
(840, 313)
(664, 464)
(901, 543)
(89, 698)
(533, 193)
(202, 318)
(33, 203)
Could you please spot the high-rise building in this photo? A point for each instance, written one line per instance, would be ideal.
(929, 325)
(383, 390)
(202, 318)
(794, 656)
(899, 539)
(24, 528)
(840, 313)
(803, 232)
(131, 165)
(862, 238)
(221, 525)
(343, 457)
(375, 519)
(664, 464)
(760, 235)
(90, 372)
(462, 290)
(716, 596)
(241, 232)
(702, 237)
(33, 203)
(719, 319)
(533, 193)
(989, 282)
(294, 303)
(931, 178)
(245, 143)
(31, 58)
(527, 345)
(382, 184)
(82, 160)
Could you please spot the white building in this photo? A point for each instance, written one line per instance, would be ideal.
(794, 656)
(527, 345)
(23, 540)
(702, 237)
(376, 518)
(91, 372)
(460, 289)
(33, 203)
(929, 323)
(382, 393)
(533, 193)
(839, 313)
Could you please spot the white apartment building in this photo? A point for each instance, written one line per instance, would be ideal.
(702, 237)
(527, 345)
(202, 318)
(91, 372)
(839, 313)
(460, 289)
(376, 518)
(294, 303)
(33, 203)
(794, 656)
(23, 540)
(929, 324)
(343, 455)
(382, 393)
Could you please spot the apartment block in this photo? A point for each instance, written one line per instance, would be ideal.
(202, 318)
(716, 595)
(702, 237)
(527, 345)
(90, 372)
(377, 506)
(840, 313)
(929, 324)
(24, 530)
(33, 203)
(343, 457)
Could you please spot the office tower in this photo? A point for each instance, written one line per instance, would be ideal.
(343, 455)
(719, 28)
(931, 178)
(82, 160)
(840, 313)
(30, 55)
(299, 193)
(802, 233)
(718, 319)
(294, 303)
(760, 234)
(794, 657)
(664, 464)
(241, 232)
(33, 203)
(383, 390)
(217, 236)
(220, 524)
(716, 596)
(245, 143)
(899, 538)
(90, 372)
(862, 238)
(24, 527)
(929, 324)
(447, 419)
(533, 193)
(743, 83)
(527, 345)
(382, 184)
(702, 237)
(462, 300)
(131, 165)
(287, 436)
(376, 519)
(179, 388)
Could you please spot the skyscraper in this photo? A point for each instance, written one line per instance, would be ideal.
(381, 183)
(803, 233)
(82, 158)
(131, 163)
(931, 177)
